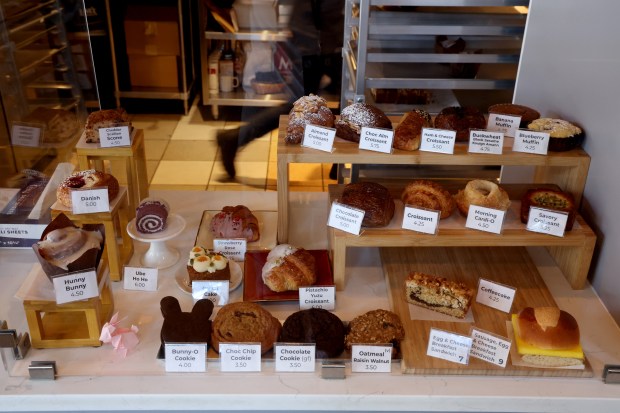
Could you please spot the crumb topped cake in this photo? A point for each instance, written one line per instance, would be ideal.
(206, 265)
(439, 294)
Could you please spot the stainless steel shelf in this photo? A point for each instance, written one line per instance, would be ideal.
(396, 49)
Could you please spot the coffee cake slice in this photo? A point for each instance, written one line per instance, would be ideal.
(439, 294)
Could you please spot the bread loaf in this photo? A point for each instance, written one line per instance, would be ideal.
(288, 268)
(373, 198)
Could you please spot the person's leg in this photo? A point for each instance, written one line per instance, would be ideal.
(257, 124)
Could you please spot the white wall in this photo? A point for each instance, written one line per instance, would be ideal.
(570, 68)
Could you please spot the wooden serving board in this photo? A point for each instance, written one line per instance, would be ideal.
(511, 266)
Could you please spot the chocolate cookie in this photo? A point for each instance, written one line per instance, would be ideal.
(315, 326)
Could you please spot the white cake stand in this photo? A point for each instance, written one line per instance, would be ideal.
(159, 254)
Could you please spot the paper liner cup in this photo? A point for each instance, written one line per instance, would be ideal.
(89, 259)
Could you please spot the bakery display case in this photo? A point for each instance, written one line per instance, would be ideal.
(432, 54)
(39, 85)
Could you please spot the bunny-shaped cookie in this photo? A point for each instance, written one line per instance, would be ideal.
(184, 327)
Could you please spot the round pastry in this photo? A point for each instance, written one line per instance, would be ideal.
(318, 326)
(373, 198)
(549, 199)
(376, 327)
(288, 268)
(151, 215)
(307, 110)
(89, 179)
(358, 115)
(408, 132)
(563, 135)
(482, 193)
(63, 246)
(430, 195)
(527, 114)
(245, 322)
(548, 328)
(461, 120)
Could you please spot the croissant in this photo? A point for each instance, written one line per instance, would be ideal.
(288, 268)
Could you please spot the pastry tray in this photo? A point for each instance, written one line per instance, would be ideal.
(254, 289)
(267, 222)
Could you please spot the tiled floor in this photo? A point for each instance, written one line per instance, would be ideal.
(182, 153)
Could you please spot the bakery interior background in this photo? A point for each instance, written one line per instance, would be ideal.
(582, 86)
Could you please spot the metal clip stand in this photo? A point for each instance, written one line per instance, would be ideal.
(42, 370)
(332, 370)
(11, 342)
(611, 374)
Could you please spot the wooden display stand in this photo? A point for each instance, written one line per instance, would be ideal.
(572, 252)
(74, 324)
(115, 223)
(133, 161)
(567, 170)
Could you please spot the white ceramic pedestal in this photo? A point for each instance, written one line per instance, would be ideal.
(159, 254)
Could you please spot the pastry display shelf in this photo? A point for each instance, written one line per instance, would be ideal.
(567, 170)
(572, 252)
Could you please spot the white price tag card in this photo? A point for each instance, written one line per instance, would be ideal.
(234, 249)
(295, 358)
(438, 140)
(87, 201)
(449, 346)
(237, 357)
(531, 142)
(485, 219)
(506, 124)
(495, 295)
(75, 286)
(371, 358)
(114, 137)
(319, 137)
(216, 291)
(140, 278)
(317, 297)
(23, 135)
(421, 220)
(376, 139)
(489, 347)
(185, 357)
(547, 221)
(345, 218)
(486, 142)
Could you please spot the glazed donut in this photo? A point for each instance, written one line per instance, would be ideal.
(482, 193)
(62, 246)
(86, 179)
(430, 195)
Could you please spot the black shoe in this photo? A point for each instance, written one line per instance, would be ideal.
(228, 141)
(333, 172)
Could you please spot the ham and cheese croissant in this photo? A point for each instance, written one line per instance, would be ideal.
(288, 268)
